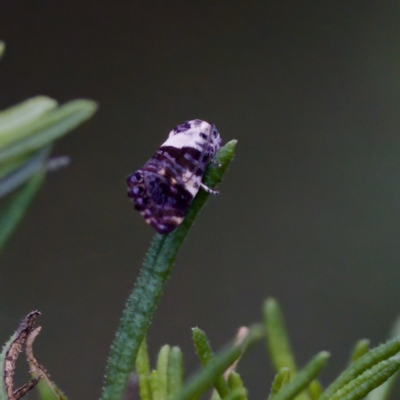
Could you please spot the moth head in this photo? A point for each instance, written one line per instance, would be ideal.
(191, 128)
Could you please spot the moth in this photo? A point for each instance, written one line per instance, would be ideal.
(164, 187)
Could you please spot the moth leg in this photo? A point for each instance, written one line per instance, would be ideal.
(208, 190)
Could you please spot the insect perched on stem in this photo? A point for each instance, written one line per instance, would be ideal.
(164, 187)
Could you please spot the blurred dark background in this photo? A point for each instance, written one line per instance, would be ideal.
(309, 211)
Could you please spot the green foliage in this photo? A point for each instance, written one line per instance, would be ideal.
(206, 377)
(361, 348)
(174, 372)
(27, 132)
(143, 371)
(205, 354)
(143, 300)
(303, 378)
(13, 212)
(277, 338)
(281, 379)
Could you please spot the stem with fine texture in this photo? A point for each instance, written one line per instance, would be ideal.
(143, 300)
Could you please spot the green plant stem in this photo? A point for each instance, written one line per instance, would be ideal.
(143, 300)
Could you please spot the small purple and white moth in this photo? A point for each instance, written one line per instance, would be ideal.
(164, 187)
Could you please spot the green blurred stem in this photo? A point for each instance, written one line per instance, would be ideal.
(143, 300)
(17, 206)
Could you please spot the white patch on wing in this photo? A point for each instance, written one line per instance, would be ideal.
(190, 137)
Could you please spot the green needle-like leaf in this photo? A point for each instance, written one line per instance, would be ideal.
(49, 391)
(278, 340)
(22, 174)
(277, 337)
(205, 354)
(143, 301)
(204, 379)
(175, 372)
(155, 386)
(383, 391)
(281, 379)
(143, 371)
(360, 386)
(367, 361)
(315, 390)
(9, 166)
(13, 213)
(2, 48)
(162, 370)
(235, 383)
(16, 122)
(237, 394)
(48, 127)
(361, 348)
(303, 378)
